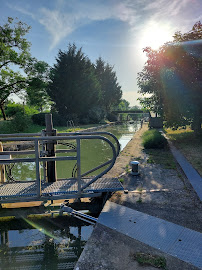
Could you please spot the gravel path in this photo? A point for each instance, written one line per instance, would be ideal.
(164, 193)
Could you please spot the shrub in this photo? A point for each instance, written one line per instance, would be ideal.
(12, 109)
(58, 120)
(153, 139)
(39, 119)
(20, 122)
(112, 117)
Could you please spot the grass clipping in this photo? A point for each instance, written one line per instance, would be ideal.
(148, 259)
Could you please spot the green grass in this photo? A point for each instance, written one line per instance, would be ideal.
(33, 128)
(148, 259)
(162, 157)
(189, 144)
(121, 180)
(153, 139)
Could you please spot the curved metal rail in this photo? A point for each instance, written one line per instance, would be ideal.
(95, 133)
(77, 137)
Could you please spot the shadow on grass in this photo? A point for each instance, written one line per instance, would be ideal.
(162, 157)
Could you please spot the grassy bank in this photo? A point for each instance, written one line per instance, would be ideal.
(189, 144)
(156, 147)
(5, 128)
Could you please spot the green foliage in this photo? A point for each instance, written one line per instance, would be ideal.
(73, 84)
(80, 88)
(153, 139)
(12, 108)
(96, 114)
(14, 58)
(122, 106)
(170, 81)
(121, 180)
(20, 123)
(38, 82)
(39, 119)
(58, 120)
(162, 157)
(14, 50)
(111, 92)
(112, 117)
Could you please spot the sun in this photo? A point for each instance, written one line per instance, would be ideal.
(155, 34)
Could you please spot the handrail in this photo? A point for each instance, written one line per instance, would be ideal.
(20, 135)
(95, 133)
(37, 159)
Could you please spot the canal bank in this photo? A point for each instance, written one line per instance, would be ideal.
(158, 192)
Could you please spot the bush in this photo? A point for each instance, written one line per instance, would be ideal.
(112, 117)
(58, 120)
(12, 109)
(39, 119)
(96, 115)
(20, 122)
(153, 139)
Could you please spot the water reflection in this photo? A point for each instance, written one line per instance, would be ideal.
(52, 245)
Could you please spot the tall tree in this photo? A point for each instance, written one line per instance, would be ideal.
(110, 88)
(122, 106)
(172, 78)
(37, 95)
(73, 85)
(14, 50)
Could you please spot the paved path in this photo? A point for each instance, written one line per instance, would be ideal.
(175, 240)
(193, 176)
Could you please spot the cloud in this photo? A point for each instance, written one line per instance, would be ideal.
(21, 10)
(58, 25)
(66, 16)
(166, 7)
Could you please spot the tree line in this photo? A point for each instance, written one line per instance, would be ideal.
(74, 87)
(171, 80)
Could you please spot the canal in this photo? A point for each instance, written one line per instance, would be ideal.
(54, 243)
(93, 153)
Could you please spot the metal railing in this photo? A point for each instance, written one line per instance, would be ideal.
(38, 157)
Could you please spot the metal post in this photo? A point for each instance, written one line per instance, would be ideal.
(50, 148)
(44, 162)
(78, 142)
(38, 178)
(2, 168)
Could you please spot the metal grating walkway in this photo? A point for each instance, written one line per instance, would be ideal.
(61, 187)
(178, 241)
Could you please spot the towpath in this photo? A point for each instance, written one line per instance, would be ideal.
(165, 194)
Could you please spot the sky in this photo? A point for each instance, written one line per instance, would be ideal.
(116, 30)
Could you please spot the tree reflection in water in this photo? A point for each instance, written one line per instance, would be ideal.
(35, 249)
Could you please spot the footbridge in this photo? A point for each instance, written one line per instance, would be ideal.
(44, 154)
(132, 112)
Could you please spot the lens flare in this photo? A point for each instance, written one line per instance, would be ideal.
(40, 229)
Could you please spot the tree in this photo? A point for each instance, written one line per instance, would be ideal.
(122, 106)
(14, 50)
(110, 89)
(37, 95)
(73, 87)
(172, 79)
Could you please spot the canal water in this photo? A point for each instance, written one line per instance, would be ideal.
(50, 244)
(93, 154)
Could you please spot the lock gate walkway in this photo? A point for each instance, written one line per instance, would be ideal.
(130, 231)
(26, 191)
